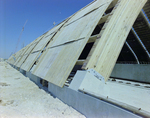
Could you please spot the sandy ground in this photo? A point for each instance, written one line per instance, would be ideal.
(21, 98)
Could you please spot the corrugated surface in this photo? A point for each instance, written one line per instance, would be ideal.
(146, 9)
(127, 56)
(143, 31)
(142, 28)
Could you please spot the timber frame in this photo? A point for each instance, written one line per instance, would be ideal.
(98, 47)
(98, 36)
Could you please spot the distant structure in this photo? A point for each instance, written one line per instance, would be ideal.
(54, 23)
(96, 60)
(1, 59)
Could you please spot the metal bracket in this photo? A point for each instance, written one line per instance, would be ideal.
(96, 74)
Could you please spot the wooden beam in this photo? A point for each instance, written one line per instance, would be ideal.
(114, 2)
(92, 38)
(80, 62)
(111, 39)
(103, 19)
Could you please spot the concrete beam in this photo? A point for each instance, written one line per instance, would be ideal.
(136, 72)
(90, 106)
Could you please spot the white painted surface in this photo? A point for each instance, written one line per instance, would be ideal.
(135, 96)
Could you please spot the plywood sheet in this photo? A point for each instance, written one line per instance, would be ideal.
(44, 39)
(87, 9)
(47, 37)
(23, 58)
(107, 48)
(30, 61)
(59, 59)
(21, 55)
(18, 54)
(78, 29)
(11, 60)
(42, 43)
(58, 62)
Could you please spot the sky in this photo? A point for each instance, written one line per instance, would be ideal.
(39, 16)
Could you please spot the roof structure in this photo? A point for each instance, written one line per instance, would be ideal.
(97, 36)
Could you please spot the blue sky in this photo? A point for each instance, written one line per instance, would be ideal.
(40, 14)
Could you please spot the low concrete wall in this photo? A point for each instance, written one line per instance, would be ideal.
(90, 106)
(34, 78)
(138, 72)
(87, 105)
(22, 71)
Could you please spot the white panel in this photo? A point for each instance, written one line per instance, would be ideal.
(131, 95)
(30, 61)
(47, 37)
(23, 58)
(89, 8)
(78, 29)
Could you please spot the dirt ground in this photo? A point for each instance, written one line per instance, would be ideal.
(21, 98)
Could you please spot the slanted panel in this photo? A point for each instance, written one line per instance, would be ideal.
(26, 55)
(42, 43)
(58, 62)
(30, 61)
(32, 57)
(47, 61)
(39, 47)
(18, 54)
(47, 37)
(79, 28)
(107, 48)
(21, 55)
(11, 59)
(87, 9)
(59, 59)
